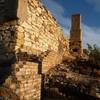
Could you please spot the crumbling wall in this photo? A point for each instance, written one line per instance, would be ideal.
(35, 34)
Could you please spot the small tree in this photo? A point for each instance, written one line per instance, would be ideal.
(94, 54)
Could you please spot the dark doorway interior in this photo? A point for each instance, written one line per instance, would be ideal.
(8, 10)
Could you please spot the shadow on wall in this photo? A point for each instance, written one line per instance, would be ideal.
(9, 11)
(5, 66)
(7, 37)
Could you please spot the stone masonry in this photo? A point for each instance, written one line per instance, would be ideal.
(76, 36)
(36, 42)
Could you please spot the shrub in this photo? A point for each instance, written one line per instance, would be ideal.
(94, 54)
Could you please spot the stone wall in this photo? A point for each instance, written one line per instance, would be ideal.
(25, 39)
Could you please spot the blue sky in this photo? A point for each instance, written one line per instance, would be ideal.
(89, 10)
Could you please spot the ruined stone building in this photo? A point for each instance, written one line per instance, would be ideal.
(31, 42)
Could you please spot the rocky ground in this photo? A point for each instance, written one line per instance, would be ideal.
(7, 94)
(74, 80)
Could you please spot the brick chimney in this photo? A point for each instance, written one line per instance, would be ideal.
(76, 35)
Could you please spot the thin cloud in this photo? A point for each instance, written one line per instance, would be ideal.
(90, 35)
(53, 6)
(95, 4)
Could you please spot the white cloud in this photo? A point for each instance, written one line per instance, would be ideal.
(66, 26)
(95, 4)
(53, 6)
(91, 35)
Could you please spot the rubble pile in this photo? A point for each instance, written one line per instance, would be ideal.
(74, 79)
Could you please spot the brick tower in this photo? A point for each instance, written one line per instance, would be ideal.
(76, 35)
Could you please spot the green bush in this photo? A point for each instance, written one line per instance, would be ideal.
(94, 54)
